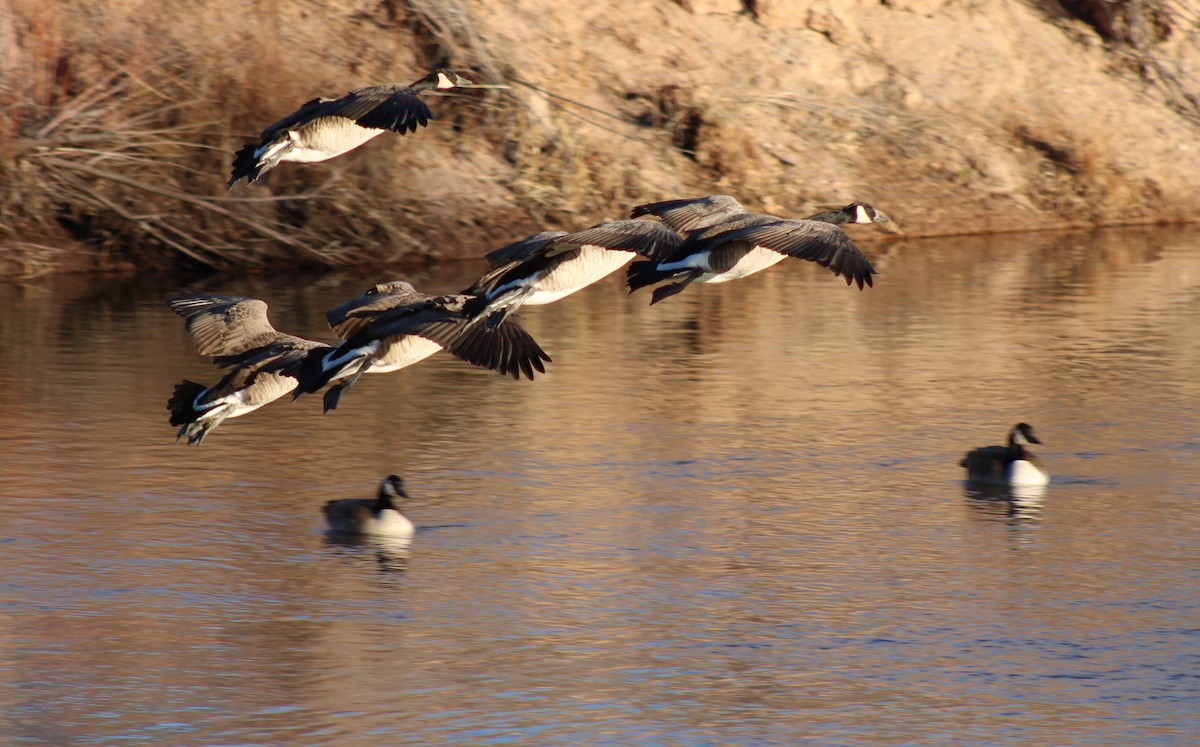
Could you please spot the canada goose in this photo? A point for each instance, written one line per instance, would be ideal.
(326, 128)
(393, 325)
(1007, 465)
(722, 241)
(235, 332)
(547, 266)
(378, 517)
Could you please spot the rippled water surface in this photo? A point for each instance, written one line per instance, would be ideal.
(735, 517)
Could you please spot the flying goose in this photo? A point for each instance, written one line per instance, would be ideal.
(377, 517)
(393, 325)
(547, 266)
(326, 128)
(1007, 465)
(722, 241)
(236, 333)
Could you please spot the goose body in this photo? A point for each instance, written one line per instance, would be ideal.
(393, 326)
(236, 333)
(721, 241)
(375, 517)
(1013, 464)
(546, 267)
(326, 128)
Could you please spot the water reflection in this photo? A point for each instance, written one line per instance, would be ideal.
(730, 518)
(390, 553)
(1016, 503)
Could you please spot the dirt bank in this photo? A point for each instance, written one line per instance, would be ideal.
(952, 116)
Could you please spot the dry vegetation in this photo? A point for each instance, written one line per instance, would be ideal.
(120, 119)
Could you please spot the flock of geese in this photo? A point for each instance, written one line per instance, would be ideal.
(697, 240)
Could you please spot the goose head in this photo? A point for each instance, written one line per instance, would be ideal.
(1022, 435)
(390, 489)
(862, 212)
(444, 79)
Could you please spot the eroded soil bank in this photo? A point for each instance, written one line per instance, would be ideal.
(952, 116)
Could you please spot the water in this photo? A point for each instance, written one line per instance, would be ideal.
(735, 517)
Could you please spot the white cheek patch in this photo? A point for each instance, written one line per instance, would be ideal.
(444, 82)
(862, 216)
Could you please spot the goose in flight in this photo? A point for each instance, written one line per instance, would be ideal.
(325, 128)
(722, 241)
(237, 335)
(393, 325)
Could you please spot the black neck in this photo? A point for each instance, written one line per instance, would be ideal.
(836, 217)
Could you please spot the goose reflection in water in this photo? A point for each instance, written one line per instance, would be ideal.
(1015, 503)
(391, 553)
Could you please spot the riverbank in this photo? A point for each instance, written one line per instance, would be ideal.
(122, 120)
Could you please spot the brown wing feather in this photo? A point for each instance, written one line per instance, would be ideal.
(349, 318)
(691, 213)
(225, 325)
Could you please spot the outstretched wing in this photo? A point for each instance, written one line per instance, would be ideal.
(387, 107)
(651, 240)
(815, 241)
(508, 349)
(521, 250)
(225, 325)
(349, 318)
(691, 213)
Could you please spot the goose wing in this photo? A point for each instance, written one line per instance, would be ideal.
(225, 325)
(691, 213)
(651, 240)
(386, 107)
(521, 250)
(520, 259)
(508, 349)
(348, 510)
(815, 241)
(281, 355)
(986, 460)
(349, 318)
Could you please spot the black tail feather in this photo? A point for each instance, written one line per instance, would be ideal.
(310, 372)
(644, 272)
(182, 403)
(246, 166)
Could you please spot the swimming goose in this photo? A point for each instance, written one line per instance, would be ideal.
(377, 517)
(393, 325)
(1007, 465)
(326, 128)
(236, 333)
(547, 266)
(722, 241)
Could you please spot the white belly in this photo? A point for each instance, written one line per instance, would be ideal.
(231, 406)
(326, 138)
(389, 523)
(1022, 472)
(593, 263)
(403, 352)
(755, 260)
(265, 389)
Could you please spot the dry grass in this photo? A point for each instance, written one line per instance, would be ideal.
(120, 120)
